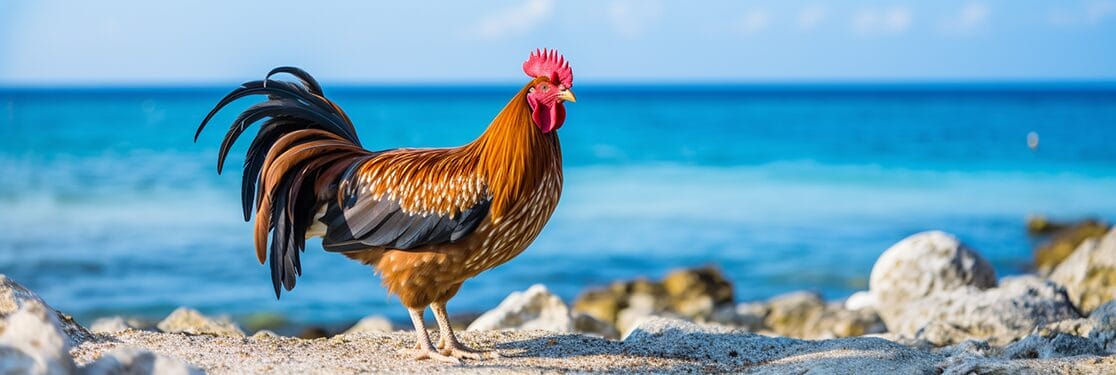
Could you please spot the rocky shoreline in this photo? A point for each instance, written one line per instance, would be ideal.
(934, 305)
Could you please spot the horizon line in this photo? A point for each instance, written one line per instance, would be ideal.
(1071, 83)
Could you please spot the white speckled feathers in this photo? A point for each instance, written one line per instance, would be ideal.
(406, 198)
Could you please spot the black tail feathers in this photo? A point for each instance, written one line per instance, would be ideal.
(287, 201)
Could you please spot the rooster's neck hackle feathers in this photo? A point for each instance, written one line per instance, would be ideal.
(512, 154)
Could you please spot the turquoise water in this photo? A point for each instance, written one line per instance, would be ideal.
(107, 207)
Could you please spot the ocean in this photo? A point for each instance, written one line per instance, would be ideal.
(107, 207)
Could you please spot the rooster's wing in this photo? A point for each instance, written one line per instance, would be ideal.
(405, 199)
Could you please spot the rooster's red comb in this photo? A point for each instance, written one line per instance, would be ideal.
(548, 63)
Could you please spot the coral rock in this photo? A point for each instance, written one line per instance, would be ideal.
(371, 323)
(1064, 239)
(111, 325)
(1015, 309)
(32, 341)
(535, 308)
(187, 320)
(921, 265)
(14, 296)
(695, 293)
(1089, 274)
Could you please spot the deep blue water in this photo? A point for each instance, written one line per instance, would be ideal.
(107, 207)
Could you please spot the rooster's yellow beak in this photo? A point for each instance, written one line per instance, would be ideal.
(567, 95)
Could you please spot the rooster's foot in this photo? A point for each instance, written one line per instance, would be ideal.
(459, 350)
(429, 353)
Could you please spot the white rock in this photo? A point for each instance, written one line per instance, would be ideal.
(924, 264)
(371, 323)
(861, 300)
(130, 361)
(110, 325)
(1089, 273)
(641, 306)
(32, 342)
(13, 296)
(264, 333)
(187, 320)
(535, 308)
(1013, 310)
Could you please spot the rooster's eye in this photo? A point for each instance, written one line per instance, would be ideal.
(544, 87)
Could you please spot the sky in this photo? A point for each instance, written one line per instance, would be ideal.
(141, 42)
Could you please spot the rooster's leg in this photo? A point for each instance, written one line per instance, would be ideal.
(448, 343)
(423, 348)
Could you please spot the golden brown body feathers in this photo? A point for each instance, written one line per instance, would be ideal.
(512, 163)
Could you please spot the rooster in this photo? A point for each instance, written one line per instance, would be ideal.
(425, 219)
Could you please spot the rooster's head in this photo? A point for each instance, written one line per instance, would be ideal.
(551, 88)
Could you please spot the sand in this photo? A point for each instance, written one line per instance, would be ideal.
(663, 346)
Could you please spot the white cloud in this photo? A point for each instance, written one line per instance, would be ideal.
(755, 21)
(1097, 11)
(892, 20)
(970, 17)
(1087, 14)
(514, 20)
(631, 19)
(811, 16)
(973, 15)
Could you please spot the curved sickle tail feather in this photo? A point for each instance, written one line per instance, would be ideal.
(296, 159)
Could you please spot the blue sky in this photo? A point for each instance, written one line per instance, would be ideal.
(127, 42)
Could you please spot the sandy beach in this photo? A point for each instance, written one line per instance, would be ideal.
(934, 306)
(665, 347)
